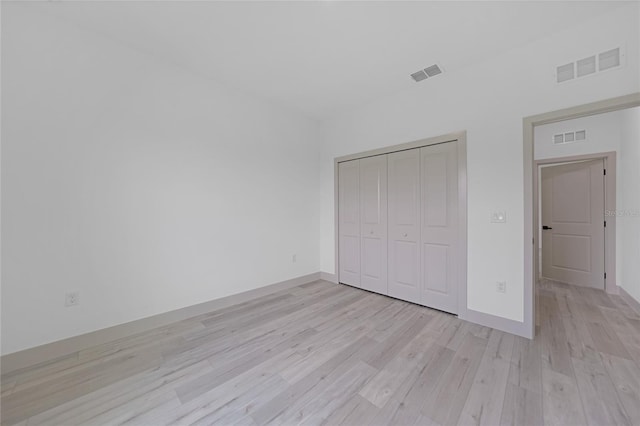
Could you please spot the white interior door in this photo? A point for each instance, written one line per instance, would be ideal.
(573, 223)
(349, 222)
(439, 236)
(404, 224)
(373, 223)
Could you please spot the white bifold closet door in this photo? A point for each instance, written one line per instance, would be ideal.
(373, 223)
(349, 222)
(404, 225)
(398, 225)
(439, 235)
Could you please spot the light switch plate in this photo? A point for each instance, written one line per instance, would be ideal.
(499, 217)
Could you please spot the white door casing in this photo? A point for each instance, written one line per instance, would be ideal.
(373, 223)
(573, 248)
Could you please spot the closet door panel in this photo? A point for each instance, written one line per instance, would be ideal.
(404, 224)
(349, 222)
(439, 226)
(373, 223)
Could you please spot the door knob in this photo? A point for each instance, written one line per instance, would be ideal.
(545, 227)
(371, 232)
(405, 234)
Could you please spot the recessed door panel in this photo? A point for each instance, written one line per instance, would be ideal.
(571, 252)
(571, 201)
(435, 180)
(573, 223)
(439, 226)
(404, 224)
(435, 257)
(349, 222)
(373, 224)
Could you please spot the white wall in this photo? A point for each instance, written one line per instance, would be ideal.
(138, 184)
(489, 100)
(603, 135)
(629, 203)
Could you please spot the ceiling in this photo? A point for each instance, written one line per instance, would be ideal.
(322, 57)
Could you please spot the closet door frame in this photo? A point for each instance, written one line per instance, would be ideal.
(461, 139)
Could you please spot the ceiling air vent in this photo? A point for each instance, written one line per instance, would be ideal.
(568, 137)
(433, 70)
(607, 60)
(423, 74)
(419, 76)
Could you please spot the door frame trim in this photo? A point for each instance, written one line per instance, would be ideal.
(609, 159)
(461, 138)
(528, 125)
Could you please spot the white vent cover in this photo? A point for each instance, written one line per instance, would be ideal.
(591, 65)
(565, 72)
(423, 74)
(586, 66)
(433, 70)
(419, 76)
(568, 137)
(609, 59)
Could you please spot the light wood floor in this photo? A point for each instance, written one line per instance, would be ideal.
(331, 354)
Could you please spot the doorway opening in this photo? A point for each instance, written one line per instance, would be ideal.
(576, 238)
(530, 191)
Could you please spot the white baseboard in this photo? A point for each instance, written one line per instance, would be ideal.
(631, 301)
(61, 348)
(327, 276)
(503, 324)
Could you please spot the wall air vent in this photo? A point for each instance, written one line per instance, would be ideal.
(609, 59)
(565, 72)
(593, 64)
(586, 66)
(423, 74)
(568, 137)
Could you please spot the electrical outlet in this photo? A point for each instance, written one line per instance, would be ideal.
(72, 299)
(294, 258)
(499, 217)
(501, 286)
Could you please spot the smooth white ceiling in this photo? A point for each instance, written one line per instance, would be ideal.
(323, 57)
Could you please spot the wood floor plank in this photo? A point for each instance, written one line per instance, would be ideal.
(412, 397)
(555, 350)
(355, 411)
(626, 379)
(599, 398)
(281, 402)
(120, 396)
(315, 407)
(332, 354)
(28, 402)
(521, 407)
(394, 344)
(561, 400)
(606, 340)
(486, 396)
(526, 364)
(444, 405)
(397, 371)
